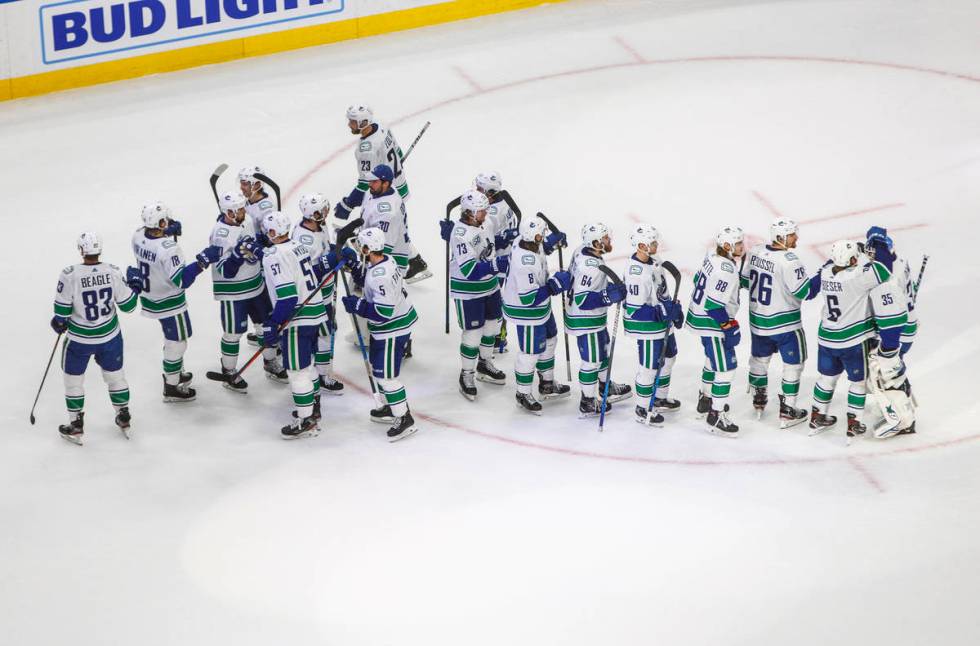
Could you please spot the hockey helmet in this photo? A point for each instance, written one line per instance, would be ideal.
(153, 212)
(90, 243)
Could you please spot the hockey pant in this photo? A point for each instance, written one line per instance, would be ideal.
(792, 349)
(176, 331)
(109, 357)
(297, 345)
(593, 350)
(719, 368)
(831, 362)
(650, 352)
(536, 351)
(234, 323)
(479, 318)
(386, 364)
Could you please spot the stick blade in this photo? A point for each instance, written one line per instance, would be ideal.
(32, 419)
(219, 170)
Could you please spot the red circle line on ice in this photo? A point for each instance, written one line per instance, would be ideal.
(479, 90)
(637, 60)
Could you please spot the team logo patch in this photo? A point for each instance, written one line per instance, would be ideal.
(591, 262)
(790, 255)
(221, 233)
(365, 146)
(727, 266)
(384, 207)
(635, 270)
(306, 239)
(168, 244)
(527, 260)
(378, 271)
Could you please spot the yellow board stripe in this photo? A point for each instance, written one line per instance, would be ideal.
(257, 45)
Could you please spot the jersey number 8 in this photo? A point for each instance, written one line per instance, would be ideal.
(91, 300)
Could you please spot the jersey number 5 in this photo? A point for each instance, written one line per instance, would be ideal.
(304, 264)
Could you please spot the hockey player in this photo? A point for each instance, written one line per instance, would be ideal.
(846, 328)
(383, 209)
(312, 234)
(258, 203)
(648, 311)
(585, 318)
(162, 278)
(377, 145)
(238, 287)
(289, 277)
(502, 223)
(711, 315)
(777, 284)
(527, 294)
(390, 317)
(902, 277)
(85, 306)
(473, 285)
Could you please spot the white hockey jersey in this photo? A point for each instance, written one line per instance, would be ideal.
(500, 217)
(161, 264)
(88, 295)
(846, 319)
(888, 301)
(902, 273)
(387, 212)
(288, 271)
(258, 210)
(645, 285)
(528, 273)
(716, 286)
(318, 243)
(468, 246)
(586, 279)
(247, 282)
(380, 147)
(383, 289)
(777, 283)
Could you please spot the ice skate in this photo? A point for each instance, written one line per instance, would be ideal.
(759, 400)
(486, 371)
(417, 270)
(179, 392)
(648, 418)
(552, 390)
(467, 387)
(704, 405)
(789, 415)
(330, 386)
(305, 427)
(274, 370)
(720, 424)
(237, 385)
(402, 427)
(665, 405)
(73, 430)
(617, 392)
(122, 420)
(382, 415)
(819, 422)
(528, 403)
(591, 407)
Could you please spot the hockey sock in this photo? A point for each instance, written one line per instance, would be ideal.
(663, 384)
(644, 385)
(588, 378)
(823, 392)
(229, 350)
(118, 388)
(394, 395)
(488, 339)
(855, 397)
(323, 358)
(524, 372)
(546, 361)
(269, 354)
(791, 383)
(707, 378)
(314, 377)
(173, 360)
(74, 394)
(469, 349)
(720, 388)
(302, 387)
(759, 371)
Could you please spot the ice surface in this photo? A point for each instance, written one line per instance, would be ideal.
(489, 526)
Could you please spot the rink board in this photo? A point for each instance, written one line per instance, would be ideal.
(63, 44)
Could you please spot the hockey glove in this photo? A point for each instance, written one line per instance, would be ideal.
(262, 240)
(554, 241)
(342, 210)
(350, 303)
(209, 255)
(672, 312)
(270, 333)
(59, 324)
(733, 335)
(134, 279)
(504, 238)
(248, 250)
(173, 228)
(614, 294)
(503, 264)
(331, 320)
(560, 282)
(446, 229)
(331, 259)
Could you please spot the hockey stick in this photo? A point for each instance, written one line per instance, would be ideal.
(45, 377)
(672, 270)
(449, 208)
(275, 188)
(360, 344)
(561, 267)
(417, 137)
(214, 182)
(612, 345)
(918, 281)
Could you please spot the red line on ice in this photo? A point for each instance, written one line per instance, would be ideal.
(869, 477)
(766, 203)
(873, 209)
(629, 49)
(469, 79)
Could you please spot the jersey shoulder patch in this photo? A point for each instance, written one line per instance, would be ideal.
(636, 270)
(384, 207)
(727, 266)
(69, 269)
(306, 239)
(791, 256)
(379, 271)
(591, 262)
(364, 146)
(528, 259)
(168, 244)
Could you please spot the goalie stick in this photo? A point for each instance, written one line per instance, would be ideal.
(612, 345)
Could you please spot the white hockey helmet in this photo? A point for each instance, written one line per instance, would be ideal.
(843, 252)
(730, 235)
(373, 238)
(594, 231)
(644, 234)
(782, 228)
(312, 203)
(153, 212)
(276, 221)
(248, 174)
(488, 182)
(531, 227)
(90, 243)
(360, 113)
(232, 201)
(473, 201)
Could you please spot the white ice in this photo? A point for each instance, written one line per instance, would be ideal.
(489, 526)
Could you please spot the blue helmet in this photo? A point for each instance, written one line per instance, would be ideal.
(382, 172)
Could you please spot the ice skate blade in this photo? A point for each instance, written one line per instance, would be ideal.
(276, 378)
(77, 440)
(528, 411)
(332, 393)
(177, 400)
(646, 421)
(239, 391)
(472, 398)
(125, 431)
(790, 423)
(422, 275)
(612, 399)
(758, 413)
(819, 430)
(544, 398)
(490, 380)
(383, 420)
(714, 430)
(313, 432)
(411, 430)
